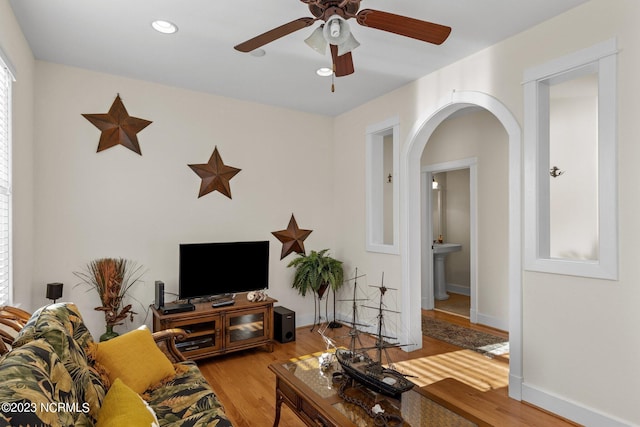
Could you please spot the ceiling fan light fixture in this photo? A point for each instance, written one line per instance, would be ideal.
(316, 41)
(164, 27)
(350, 44)
(336, 30)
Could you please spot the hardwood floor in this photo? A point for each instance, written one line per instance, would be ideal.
(462, 380)
(456, 304)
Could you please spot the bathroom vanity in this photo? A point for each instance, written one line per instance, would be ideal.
(440, 252)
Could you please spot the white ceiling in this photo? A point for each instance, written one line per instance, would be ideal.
(115, 36)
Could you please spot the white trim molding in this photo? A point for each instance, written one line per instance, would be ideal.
(570, 410)
(412, 223)
(600, 59)
(427, 230)
(7, 63)
(375, 218)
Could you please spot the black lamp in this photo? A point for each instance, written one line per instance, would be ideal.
(54, 291)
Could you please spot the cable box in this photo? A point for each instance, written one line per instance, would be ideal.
(177, 308)
(195, 344)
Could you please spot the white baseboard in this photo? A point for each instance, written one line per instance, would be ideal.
(458, 289)
(493, 322)
(307, 319)
(573, 411)
(515, 386)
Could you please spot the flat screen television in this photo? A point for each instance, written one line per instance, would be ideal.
(208, 269)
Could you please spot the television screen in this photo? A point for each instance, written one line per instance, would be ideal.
(208, 269)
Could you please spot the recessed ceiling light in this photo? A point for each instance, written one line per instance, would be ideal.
(324, 72)
(164, 27)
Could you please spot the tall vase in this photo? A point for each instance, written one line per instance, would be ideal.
(109, 334)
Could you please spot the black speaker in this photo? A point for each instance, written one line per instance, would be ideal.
(54, 291)
(285, 324)
(159, 294)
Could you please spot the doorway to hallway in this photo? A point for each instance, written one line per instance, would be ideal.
(449, 195)
(413, 233)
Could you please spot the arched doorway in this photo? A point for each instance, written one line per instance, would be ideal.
(413, 222)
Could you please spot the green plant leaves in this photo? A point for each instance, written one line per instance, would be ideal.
(315, 270)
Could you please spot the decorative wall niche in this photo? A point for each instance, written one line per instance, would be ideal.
(382, 189)
(571, 207)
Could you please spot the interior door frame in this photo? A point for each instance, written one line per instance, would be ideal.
(410, 216)
(427, 172)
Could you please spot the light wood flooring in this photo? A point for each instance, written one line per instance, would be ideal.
(456, 304)
(472, 385)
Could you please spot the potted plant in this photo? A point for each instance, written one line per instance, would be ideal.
(316, 273)
(112, 278)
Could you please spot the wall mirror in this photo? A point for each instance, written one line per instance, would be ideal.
(570, 164)
(382, 187)
(438, 205)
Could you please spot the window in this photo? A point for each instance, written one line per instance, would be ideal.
(6, 79)
(570, 164)
(382, 187)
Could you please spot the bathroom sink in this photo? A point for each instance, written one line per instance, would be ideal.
(440, 252)
(446, 248)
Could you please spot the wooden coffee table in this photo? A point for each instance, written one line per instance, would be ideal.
(313, 396)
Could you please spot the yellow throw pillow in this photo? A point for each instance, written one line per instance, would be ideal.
(136, 359)
(123, 407)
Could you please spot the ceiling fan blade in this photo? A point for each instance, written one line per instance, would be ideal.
(274, 34)
(343, 64)
(404, 26)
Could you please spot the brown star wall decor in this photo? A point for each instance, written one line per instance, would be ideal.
(118, 128)
(292, 238)
(215, 175)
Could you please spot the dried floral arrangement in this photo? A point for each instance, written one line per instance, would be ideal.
(112, 278)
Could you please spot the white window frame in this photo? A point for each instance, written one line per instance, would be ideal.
(374, 186)
(602, 58)
(6, 280)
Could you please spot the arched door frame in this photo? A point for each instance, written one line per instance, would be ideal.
(413, 222)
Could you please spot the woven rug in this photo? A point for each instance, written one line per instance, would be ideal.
(490, 345)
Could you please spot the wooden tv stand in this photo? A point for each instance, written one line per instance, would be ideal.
(218, 330)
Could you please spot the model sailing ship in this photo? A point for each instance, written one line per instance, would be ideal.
(369, 371)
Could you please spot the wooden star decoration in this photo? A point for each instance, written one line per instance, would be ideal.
(215, 175)
(118, 128)
(292, 238)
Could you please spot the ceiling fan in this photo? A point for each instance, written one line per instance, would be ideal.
(335, 30)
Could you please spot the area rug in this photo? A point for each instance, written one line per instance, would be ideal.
(487, 344)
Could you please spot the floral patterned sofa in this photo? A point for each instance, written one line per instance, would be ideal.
(50, 378)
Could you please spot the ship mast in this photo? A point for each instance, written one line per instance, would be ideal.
(353, 315)
(354, 332)
(380, 344)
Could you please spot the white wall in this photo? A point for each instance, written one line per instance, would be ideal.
(574, 129)
(581, 344)
(456, 211)
(19, 54)
(458, 228)
(118, 204)
(387, 189)
(479, 135)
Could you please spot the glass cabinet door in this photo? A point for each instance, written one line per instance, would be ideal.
(246, 327)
